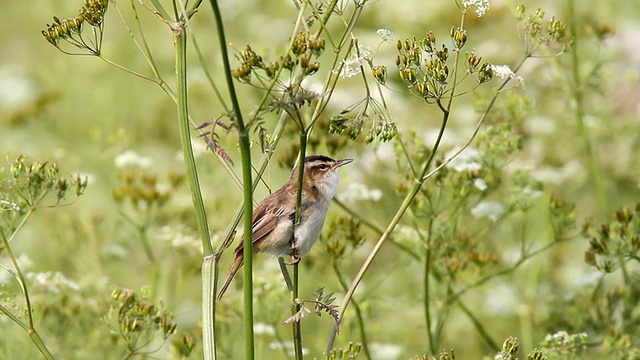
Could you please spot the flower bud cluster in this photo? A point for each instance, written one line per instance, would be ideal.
(70, 30)
(33, 180)
(137, 319)
(424, 65)
(143, 190)
(616, 240)
(550, 34)
(352, 120)
(304, 48)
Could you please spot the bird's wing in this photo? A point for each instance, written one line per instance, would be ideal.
(264, 222)
(263, 225)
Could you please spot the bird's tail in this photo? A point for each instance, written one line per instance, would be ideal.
(237, 264)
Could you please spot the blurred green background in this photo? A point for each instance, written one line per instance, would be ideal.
(84, 113)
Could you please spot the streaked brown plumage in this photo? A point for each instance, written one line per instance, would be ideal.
(273, 218)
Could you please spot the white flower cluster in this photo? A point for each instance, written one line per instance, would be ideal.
(360, 192)
(505, 72)
(178, 238)
(481, 6)
(288, 345)
(351, 66)
(8, 205)
(468, 160)
(52, 282)
(132, 158)
(385, 34)
(489, 209)
(24, 262)
(564, 339)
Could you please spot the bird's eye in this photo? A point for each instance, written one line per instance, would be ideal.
(323, 166)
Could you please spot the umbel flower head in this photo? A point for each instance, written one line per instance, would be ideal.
(424, 65)
(70, 31)
(368, 111)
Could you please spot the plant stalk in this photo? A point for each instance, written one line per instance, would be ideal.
(245, 152)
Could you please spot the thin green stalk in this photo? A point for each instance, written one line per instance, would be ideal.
(23, 221)
(484, 334)
(427, 289)
(33, 334)
(356, 307)
(577, 93)
(297, 335)
(245, 152)
(375, 228)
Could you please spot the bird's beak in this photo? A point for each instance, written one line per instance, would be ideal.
(342, 162)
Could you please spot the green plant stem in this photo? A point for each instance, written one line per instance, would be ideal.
(481, 329)
(356, 307)
(180, 42)
(375, 228)
(209, 279)
(297, 334)
(577, 94)
(23, 221)
(427, 289)
(29, 328)
(245, 152)
(180, 39)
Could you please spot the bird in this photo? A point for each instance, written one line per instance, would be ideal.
(273, 219)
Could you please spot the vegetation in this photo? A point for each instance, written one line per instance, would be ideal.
(491, 211)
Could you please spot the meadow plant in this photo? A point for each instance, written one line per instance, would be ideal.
(452, 218)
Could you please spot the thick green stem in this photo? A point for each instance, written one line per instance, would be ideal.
(245, 152)
(209, 279)
(208, 324)
(180, 39)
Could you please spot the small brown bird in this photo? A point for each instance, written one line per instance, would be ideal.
(273, 218)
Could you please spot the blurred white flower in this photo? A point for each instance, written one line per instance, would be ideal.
(481, 6)
(489, 209)
(132, 158)
(16, 90)
(23, 261)
(262, 328)
(480, 184)
(116, 250)
(500, 299)
(177, 237)
(589, 279)
(468, 160)
(385, 34)
(505, 72)
(288, 345)
(53, 282)
(385, 351)
(8, 205)
(360, 192)
(351, 66)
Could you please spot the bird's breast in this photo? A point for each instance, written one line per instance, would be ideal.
(312, 221)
